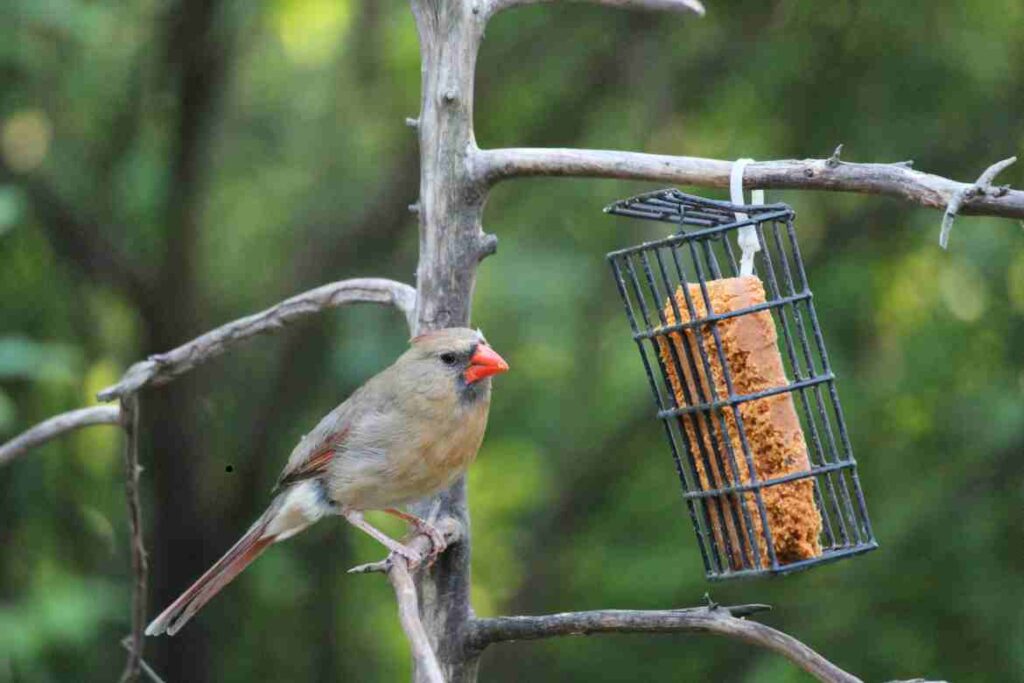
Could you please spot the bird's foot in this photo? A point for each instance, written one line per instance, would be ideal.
(421, 526)
(355, 518)
(413, 556)
(437, 542)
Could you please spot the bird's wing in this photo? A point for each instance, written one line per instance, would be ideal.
(316, 450)
(337, 431)
(313, 466)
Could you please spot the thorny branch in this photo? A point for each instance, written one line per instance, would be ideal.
(57, 425)
(164, 367)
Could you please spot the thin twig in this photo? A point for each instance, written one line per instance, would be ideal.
(895, 179)
(691, 6)
(56, 426)
(714, 620)
(423, 655)
(164, 367)
(140, 564)
(126, 643)
(967, 194)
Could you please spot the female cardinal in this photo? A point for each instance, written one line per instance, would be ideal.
(404, 435)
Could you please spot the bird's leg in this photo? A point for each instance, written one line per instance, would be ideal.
(355, 518)
(422, 526)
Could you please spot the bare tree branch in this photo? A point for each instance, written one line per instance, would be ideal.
(164, 367)
(140, 564)
(423, 655)
(895, 180)
(153, 676)
(694, 6)
(981, 188)
(397, 569)
(716, 620)
(57, 426)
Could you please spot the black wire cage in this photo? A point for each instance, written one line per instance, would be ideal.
(757, 433)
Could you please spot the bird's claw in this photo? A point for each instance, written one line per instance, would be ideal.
(413, 556)
(437, 542)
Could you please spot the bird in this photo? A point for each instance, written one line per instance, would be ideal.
(406, 434)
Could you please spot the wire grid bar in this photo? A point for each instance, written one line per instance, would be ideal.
(825, 558)
(664, 285)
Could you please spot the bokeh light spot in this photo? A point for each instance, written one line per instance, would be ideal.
(25, 140)
(310, 30)
(963, 291)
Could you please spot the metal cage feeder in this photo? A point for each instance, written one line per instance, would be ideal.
(743, 386)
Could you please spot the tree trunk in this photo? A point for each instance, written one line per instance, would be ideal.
(451, 245)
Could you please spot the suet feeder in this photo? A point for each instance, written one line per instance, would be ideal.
(737, 363)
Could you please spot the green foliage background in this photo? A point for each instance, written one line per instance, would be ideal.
(234, 153)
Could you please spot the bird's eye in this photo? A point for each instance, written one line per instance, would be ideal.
(449, 358)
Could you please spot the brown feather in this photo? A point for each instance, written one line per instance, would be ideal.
(314, 465)
(247, 549)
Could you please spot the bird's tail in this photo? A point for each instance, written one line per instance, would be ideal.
(242, 553)
(292, 511)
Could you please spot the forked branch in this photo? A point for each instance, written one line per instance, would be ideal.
(965, 195)
(164, 367)
(715, 620)
(895, 180)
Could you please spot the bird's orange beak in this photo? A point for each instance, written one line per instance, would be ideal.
(484, 362)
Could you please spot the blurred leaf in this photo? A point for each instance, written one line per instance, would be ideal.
(23, 358)
(68, 611)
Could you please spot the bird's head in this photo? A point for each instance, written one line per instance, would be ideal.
(461, 354)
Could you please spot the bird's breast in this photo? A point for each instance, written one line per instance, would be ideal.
(436, 460)
(427, 456)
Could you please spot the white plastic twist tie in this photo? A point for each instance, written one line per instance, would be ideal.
(748, 234)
